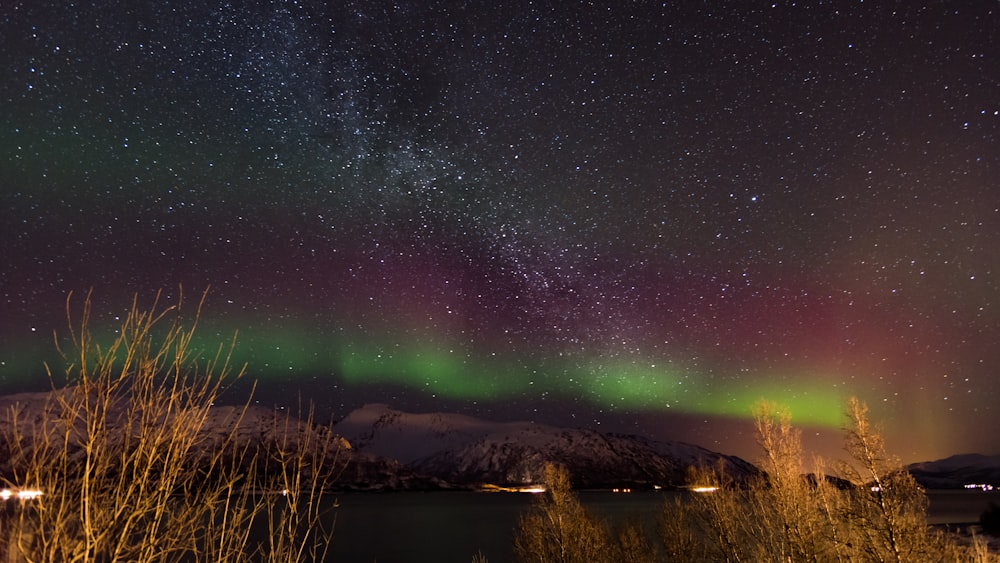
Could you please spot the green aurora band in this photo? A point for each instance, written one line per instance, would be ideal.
(448, 370)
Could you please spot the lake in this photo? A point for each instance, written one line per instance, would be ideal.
(452, 526)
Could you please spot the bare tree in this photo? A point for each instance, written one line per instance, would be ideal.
(123, 457)
(786, 515)
(558, 528)
(887, 514)
(787, 499)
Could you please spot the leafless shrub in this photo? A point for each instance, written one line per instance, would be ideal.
(785, 516)
(127, 469)
(558, 528)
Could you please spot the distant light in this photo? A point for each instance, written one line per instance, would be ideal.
(21, 494)
(982, 486)
(705, 489)
(534, 489)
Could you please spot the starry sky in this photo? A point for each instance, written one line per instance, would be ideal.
(632, 216)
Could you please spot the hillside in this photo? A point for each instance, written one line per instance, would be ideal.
(957, 471)
(381, 448)
(467, 450)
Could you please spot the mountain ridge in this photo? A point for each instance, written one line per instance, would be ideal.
(464, 449)
(383, 448)
(958, 471)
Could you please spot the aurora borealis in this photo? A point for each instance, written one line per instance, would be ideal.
(643, 216)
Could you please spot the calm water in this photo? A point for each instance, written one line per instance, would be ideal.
(452, 526)
(959, 507)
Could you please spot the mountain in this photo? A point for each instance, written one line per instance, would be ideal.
(466, 450)
(957, 471)
(379, 448)
(36, 414)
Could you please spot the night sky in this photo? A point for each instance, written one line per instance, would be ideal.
(631, 216)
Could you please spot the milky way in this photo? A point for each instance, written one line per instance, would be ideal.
(631, 216)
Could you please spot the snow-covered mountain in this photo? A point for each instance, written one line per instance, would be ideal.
(41, 412)
(30, 416)
(957, 471)
(466, 450)
(406, 437)
(256, 425)
(381, 448)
